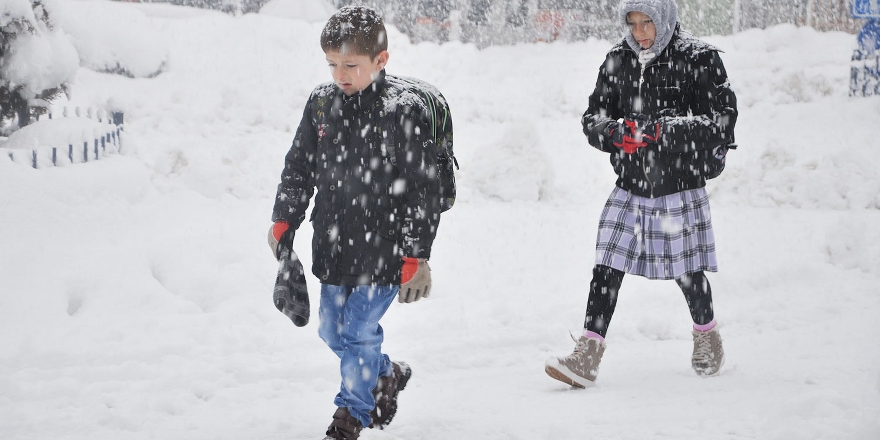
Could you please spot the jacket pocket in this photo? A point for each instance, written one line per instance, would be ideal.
(383, 225)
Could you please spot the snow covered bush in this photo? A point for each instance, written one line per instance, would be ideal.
(36, 60)
(228, 6)
(121, 40)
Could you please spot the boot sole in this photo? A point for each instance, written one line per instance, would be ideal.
(402, 380)
(405, 375)
(559, 373)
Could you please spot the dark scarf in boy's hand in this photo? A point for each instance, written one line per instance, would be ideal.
(291, 296)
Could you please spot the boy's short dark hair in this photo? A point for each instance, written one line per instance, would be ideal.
(357, 29)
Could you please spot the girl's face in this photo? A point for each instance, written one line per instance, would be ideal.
(352, 72)
(642, 28)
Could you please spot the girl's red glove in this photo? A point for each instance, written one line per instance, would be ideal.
(637, 131)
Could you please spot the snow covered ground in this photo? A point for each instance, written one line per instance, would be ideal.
(135, 292)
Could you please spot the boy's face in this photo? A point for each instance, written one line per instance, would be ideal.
(642, 28)
(352, 72)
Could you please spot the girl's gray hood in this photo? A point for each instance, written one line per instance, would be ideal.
(664, 13)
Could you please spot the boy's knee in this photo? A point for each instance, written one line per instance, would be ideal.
(358, 337)
(331, 336)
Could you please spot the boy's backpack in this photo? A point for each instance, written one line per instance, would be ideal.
(441, 125)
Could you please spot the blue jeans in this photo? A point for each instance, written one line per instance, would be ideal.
(349, 324)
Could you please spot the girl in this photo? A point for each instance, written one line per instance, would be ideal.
(664, 111)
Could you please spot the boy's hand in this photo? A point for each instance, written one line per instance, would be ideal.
(415, 280)
(280, 235)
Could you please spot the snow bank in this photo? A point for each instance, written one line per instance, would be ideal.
(113, 38)
(312, 11)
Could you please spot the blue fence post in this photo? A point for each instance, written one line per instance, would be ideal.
(70, 152)
(85, 152)
(54, 156)
(34, 158)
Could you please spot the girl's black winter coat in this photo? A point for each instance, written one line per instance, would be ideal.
(369, 211)
(686, 89)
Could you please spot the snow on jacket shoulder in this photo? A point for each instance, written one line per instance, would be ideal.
(369, 210)
(686, 89)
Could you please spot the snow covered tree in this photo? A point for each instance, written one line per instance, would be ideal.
(36, 63)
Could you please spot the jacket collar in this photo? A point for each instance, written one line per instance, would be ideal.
(365, 97)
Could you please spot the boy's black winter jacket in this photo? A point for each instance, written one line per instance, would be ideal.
(686, 89)
(368, 211)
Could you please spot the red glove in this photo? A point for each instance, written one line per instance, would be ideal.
(635, 134)
(415, 280)
(627, 142)
(279, 228)
(644, 128)
(276, 232)
(409, 269)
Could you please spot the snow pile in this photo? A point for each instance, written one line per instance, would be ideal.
(113, 38)
(312, 11)
(511, 168)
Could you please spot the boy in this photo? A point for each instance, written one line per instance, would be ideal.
(365, 145)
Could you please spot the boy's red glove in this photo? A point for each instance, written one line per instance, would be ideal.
(276, 233)
(415, 280)
(279, 228)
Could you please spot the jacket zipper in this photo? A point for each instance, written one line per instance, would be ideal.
(644, 156)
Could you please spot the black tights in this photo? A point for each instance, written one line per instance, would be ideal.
(606, 283)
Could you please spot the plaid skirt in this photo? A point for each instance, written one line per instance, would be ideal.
(659, 238)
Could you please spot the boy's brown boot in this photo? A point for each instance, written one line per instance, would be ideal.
(708, 354)
(386, 392)
(578, 369)
(344, 426)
